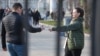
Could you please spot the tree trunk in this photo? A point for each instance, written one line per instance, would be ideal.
(76, 3)
(71, 4)
(86, 14)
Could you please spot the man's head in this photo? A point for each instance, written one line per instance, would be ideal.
(17, 7)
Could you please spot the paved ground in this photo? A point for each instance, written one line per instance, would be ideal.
(44, 44)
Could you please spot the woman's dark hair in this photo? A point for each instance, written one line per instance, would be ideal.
(81, 11)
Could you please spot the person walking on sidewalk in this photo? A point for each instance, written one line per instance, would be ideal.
(47, 14)
(75, 40)
(13, 32)
(36, 17)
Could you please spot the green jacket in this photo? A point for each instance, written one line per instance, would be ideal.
(76, 34)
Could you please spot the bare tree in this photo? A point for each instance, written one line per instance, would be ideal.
(86, 7)
(76, 3)
(70, 4)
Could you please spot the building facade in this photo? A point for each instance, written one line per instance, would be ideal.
(32, 3)
(3, 3)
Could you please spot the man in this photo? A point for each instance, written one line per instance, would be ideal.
(12, 30)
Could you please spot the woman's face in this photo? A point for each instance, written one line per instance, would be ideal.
(75, 14)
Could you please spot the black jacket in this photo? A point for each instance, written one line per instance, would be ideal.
(1, 14)
(13, 29)
(36, 16)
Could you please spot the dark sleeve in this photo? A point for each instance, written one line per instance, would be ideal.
(74, 26)
(39, 15)
(3, 36)
(28, 27)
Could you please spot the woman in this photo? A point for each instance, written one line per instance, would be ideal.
(75, 42)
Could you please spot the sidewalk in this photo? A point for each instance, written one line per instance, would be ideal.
(4, 53)
(43, 44)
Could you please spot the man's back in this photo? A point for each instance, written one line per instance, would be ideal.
(14, 28)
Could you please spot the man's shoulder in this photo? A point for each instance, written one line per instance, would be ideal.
(7, 17)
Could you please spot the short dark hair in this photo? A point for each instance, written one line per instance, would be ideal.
(81, 11)
(17, 5)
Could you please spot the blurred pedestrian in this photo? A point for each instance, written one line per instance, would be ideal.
(13, 27)
(1, 13)
(36, 17)
(7, 11)
(30, 16)
(47, 14)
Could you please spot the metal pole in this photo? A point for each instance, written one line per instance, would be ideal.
(95, 28)
(59, 17)
(26, 33)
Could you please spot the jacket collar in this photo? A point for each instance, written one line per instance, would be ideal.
(15, 13)
(79, 19)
